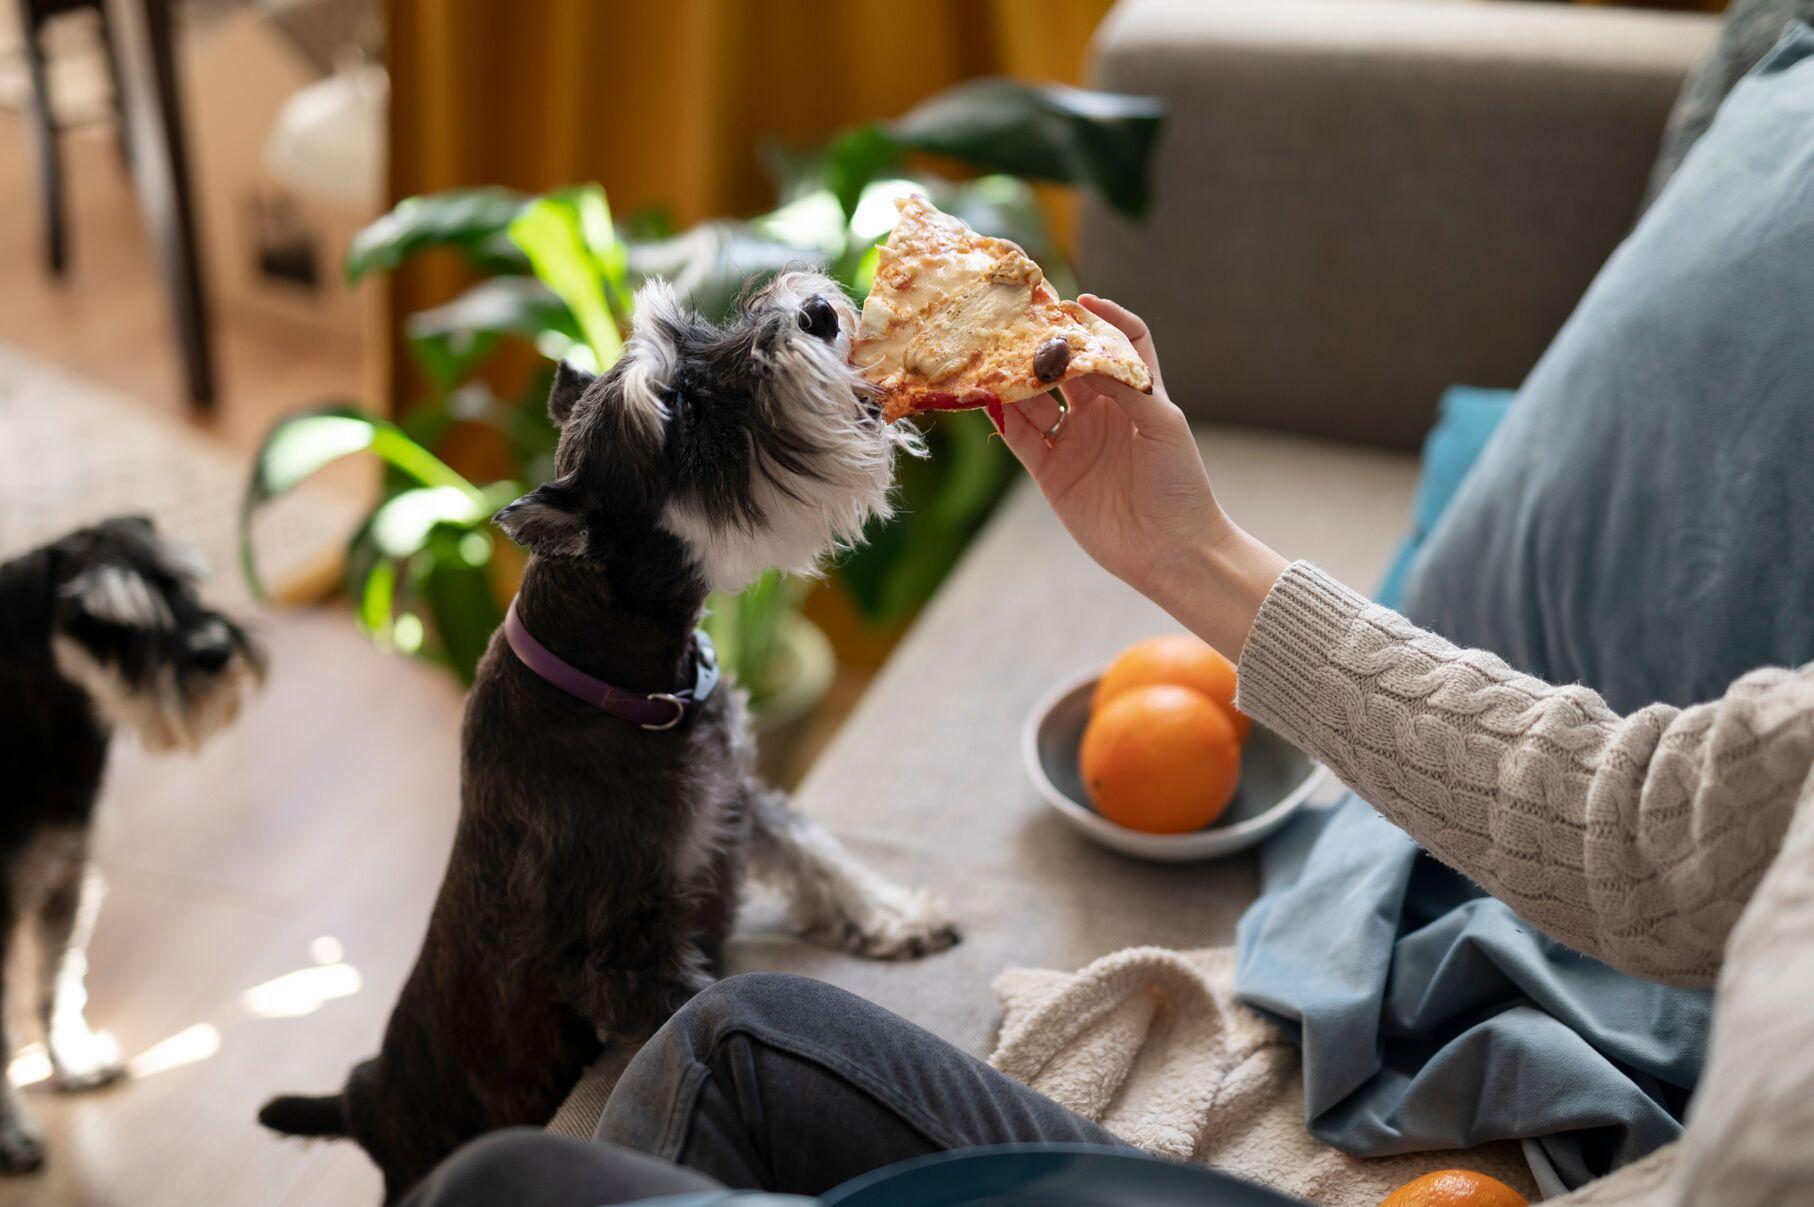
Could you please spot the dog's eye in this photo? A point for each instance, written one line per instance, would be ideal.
(819, 319)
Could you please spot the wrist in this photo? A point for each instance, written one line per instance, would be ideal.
(1216, 586)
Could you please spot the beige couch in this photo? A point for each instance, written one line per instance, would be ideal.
(1359, 202)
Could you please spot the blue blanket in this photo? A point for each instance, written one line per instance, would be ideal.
(1432, 1017)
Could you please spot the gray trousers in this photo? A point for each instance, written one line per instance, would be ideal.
(762, 1082)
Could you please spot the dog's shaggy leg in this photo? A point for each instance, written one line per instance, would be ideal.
(834, 897)
(21, 1144)
(81, 1057)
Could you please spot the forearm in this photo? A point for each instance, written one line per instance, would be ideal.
(1623, 838)
(1215, 587)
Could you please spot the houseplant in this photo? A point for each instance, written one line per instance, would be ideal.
(425, 571)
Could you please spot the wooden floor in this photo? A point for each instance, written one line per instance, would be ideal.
(107, 318)
(265, 900)
(267, 896)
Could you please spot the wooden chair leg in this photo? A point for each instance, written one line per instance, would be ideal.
(122, 128)
(44, 139)
(160, 166)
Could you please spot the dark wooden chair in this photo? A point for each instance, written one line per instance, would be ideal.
(34, 17)
(135, 36)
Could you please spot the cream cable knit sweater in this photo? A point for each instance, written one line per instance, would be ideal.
(1676, 844)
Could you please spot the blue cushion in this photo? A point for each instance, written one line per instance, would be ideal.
(1465, 417)
(1643, 520)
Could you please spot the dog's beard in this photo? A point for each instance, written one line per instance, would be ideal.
(167, 709)
(822, 461)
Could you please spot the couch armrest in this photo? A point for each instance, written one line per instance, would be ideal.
(1359, 202)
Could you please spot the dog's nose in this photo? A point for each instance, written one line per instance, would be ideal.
(210, 649)
(819, 319)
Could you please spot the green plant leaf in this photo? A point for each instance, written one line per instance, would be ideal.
(527, 431)
(856, 157)
(842, 167)
(552, 231)
(374, 598)
(450, 340)
(299, 445)
(403, 523)
(941, 503)
(1042, 132)
(461, 603)
(811, 222)
(747, 628)
(710, 265)
(471, 220)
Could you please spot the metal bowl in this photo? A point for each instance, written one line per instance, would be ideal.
(1276, 779)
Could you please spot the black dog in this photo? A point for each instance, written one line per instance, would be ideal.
(597, 863)
(100, 630)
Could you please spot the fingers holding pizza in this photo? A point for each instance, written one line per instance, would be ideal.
(958, 320)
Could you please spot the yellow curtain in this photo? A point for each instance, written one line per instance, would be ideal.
(670, 102)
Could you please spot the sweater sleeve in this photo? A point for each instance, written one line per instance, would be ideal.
(1636, 840)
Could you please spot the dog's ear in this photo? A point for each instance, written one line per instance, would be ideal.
(570, 383)
(547, 521)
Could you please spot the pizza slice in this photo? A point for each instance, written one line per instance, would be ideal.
(957, 320)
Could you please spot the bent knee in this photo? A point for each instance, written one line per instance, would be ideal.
(755, 1000)
(491, 1169)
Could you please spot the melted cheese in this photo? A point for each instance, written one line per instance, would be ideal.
(954, 318)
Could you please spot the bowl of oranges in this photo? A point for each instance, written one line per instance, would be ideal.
(1149, 756)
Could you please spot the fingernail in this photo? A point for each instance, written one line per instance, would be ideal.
(994, 412)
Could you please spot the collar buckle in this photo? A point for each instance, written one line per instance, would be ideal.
(680, 710)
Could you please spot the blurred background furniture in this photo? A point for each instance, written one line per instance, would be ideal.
(34, 17)
(135, 40)
(1360, 204)
(146, 69)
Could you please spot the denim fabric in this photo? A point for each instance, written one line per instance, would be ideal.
(764, 1087)
(776, 1082)
(1433, 1017)
(521, 1167)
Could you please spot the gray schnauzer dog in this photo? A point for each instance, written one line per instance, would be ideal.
(100, 630)
(608, 801)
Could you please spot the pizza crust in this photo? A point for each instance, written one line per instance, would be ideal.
(956, 320)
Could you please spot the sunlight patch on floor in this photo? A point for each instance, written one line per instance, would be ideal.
(30, 1065)
(191, 1045)
(304, 991)
(292, 995)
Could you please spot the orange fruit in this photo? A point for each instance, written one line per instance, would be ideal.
(1176, 658)
(1162, 759)
(1454, 1188)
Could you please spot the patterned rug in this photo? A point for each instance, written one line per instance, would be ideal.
(72, 453)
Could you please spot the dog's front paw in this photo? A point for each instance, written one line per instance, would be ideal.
(21, 1148)
(896, 923)
(85, 1060)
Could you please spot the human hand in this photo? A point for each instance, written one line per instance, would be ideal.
(1125, 478)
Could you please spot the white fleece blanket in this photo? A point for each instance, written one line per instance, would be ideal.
(1151, 1044)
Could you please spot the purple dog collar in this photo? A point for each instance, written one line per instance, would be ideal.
(656, 711)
